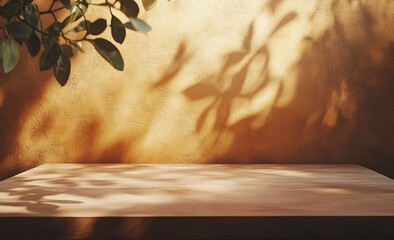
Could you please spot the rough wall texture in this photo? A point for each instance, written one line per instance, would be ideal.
(217, 81)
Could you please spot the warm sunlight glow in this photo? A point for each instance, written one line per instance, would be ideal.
(223, 81)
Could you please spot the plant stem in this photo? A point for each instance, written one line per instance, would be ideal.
(52, 11)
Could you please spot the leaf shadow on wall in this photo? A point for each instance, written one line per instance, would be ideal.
(340, 111)
(19, 91)
(121, 148)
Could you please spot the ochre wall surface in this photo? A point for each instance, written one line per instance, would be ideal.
(216, 81)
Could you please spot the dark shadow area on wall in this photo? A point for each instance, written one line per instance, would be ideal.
(20, 90)
(341, 110)
(21, 94)
(24, 88)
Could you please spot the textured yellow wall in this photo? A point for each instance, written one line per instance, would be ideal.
(216, 81)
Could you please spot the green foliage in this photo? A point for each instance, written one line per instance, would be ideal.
(10, 55)
(109, 52)
(58, 40)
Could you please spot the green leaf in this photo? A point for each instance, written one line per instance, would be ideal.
(10, 9)
(78, 10)
(130, 8)
(75, 45)
(82, 26)
(117, 30)
(137, 25)
(33, 44)
(66, 3)
(53, 30)
(69, 19)
(149, 4)
(98, 26)
(19, 40)
(67, 50)
(19, 29)
(49, 57)
(32, 15)
(10, 55)
(109, 52)
(62, 69)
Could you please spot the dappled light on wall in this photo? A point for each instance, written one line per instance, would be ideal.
(223, 81)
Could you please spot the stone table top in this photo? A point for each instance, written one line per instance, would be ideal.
(96, 190)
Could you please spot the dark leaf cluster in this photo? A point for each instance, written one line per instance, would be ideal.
(55, 43)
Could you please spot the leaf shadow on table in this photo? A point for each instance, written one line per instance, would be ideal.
(49, 193)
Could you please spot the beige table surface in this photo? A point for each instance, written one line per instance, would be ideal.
(96, 190)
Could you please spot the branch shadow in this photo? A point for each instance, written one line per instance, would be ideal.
(340, 110)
